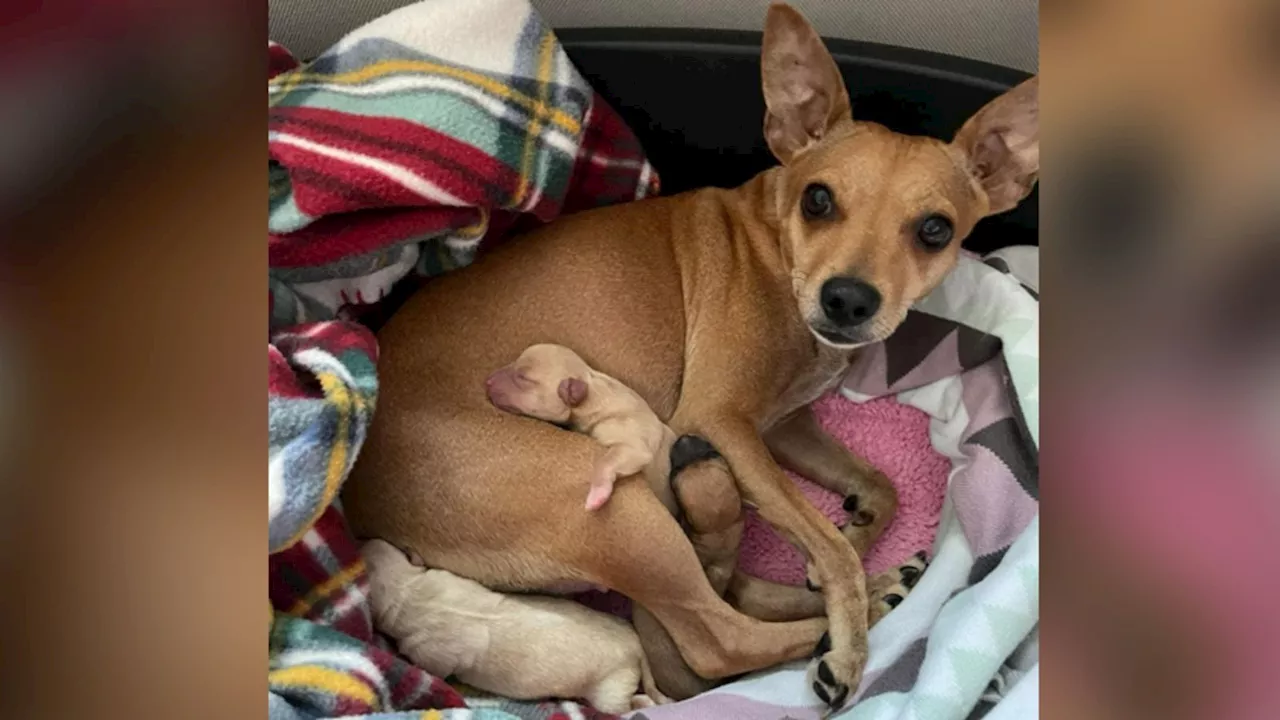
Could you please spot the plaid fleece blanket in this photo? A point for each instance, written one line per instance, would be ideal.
(396, 155)
(418, 138)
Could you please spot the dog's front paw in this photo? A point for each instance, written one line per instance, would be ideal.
(887, 590)
(832, 676)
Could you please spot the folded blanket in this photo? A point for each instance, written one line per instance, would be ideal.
(395, 156)
(421, 135)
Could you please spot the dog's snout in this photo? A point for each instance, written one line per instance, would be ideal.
(848, 301)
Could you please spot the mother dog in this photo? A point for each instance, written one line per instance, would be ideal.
(729, 311)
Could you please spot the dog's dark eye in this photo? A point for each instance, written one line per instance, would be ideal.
(935, 232)
(817, 201)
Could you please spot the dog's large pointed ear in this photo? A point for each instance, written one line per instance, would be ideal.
(804, 95)
(1002, 144)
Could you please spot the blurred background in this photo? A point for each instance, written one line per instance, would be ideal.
(132, 431)
(1160, 231)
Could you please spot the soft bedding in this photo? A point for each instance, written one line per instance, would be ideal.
(448, 124)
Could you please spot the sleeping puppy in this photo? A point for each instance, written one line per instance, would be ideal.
(552, 383)
(519, 646)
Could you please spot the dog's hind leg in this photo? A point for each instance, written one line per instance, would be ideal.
(781, 504)
(663, 575)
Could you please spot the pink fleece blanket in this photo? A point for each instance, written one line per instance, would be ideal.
(893, 437)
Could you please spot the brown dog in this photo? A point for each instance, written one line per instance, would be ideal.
(729, 311)
(552, 383)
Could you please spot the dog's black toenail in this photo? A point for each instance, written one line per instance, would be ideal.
(821, 693)
(812, 588)
(689, 449)
(922, 556)
(892, 600)
(851, 504)
(824, 645)
(910, 579)
(838, 701)
(825, 674)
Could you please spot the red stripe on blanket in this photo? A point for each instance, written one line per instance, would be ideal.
(332, 238)
(345, 705)
(332, 526)
(324, 185)
(293, 573)
(279, 60)
(333, 337)
(281, 379)
(608, 164)
(470, 174)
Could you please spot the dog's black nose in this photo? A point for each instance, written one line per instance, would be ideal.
(849, 302)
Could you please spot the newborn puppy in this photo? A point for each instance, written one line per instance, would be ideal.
(552, 383)
(520, 646)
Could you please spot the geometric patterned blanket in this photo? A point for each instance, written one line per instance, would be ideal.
(398, 154)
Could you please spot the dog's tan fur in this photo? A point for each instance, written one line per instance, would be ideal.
(705, 304)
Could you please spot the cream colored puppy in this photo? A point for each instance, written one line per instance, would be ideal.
(552, 383)
(520, 646)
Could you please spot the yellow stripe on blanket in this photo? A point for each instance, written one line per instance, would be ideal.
(316, 677)
(538, 108)
(336, 393)
(545, 56)
(337, 581)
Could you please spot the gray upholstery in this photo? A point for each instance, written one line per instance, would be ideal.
(1004, 32)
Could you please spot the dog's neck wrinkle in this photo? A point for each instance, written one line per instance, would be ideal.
(728, 234)
(749, 233)
(758, 200)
